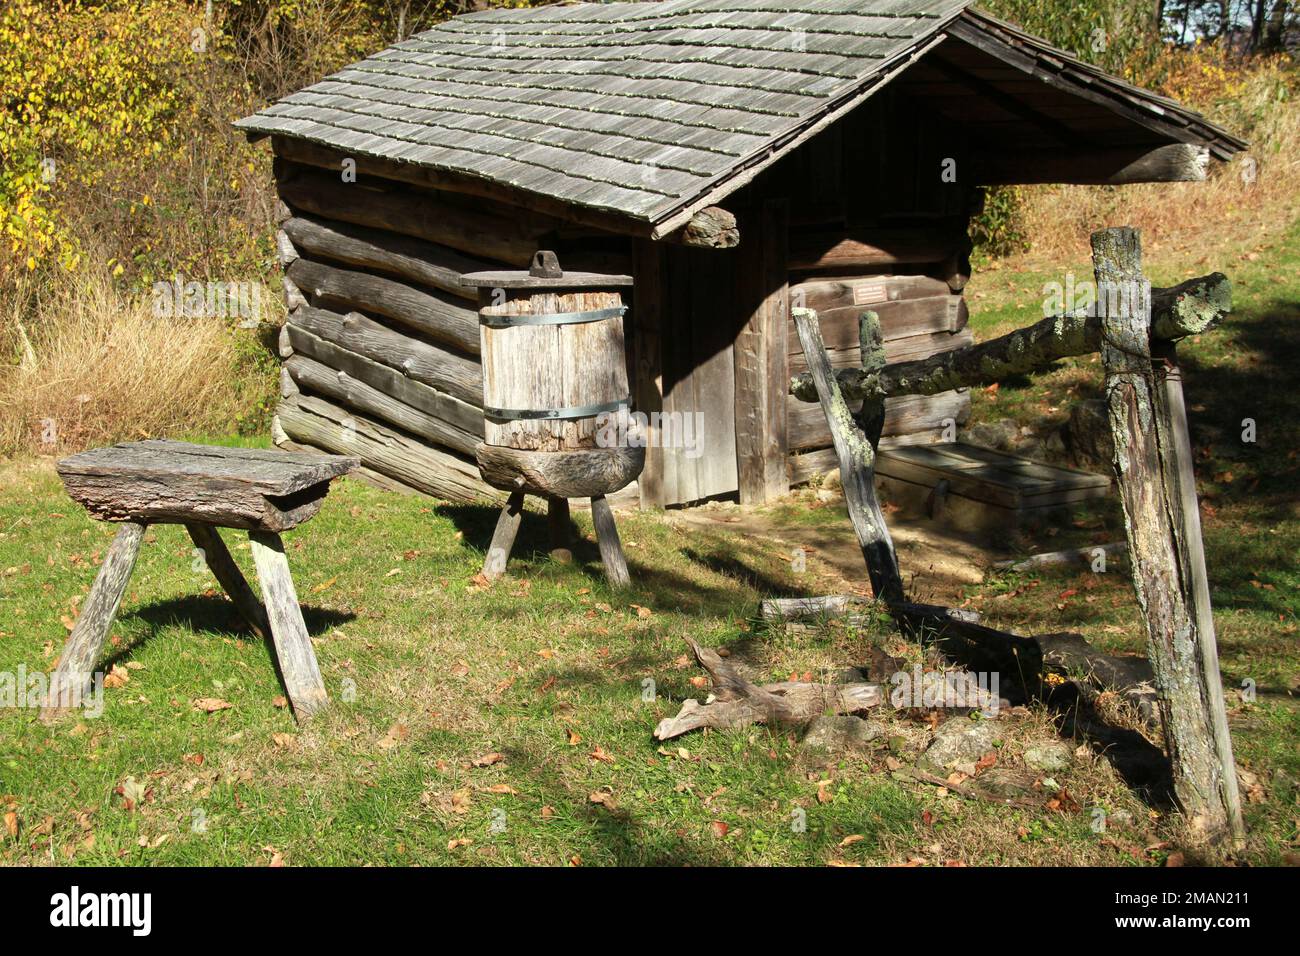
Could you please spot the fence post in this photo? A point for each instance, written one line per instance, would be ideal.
(1154, 469)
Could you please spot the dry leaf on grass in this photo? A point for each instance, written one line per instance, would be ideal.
(210, 705)
(488, 760)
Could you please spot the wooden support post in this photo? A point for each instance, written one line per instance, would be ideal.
(611, 551)
(208, 540)
(503, 539)
(856, 456)
(72, 678)
(761, 363)
(558, 522)
(1154, 469)
(298, 667)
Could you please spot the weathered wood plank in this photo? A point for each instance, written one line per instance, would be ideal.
(759, 353)
(904, 415)
(907, 349)
(72, 679)
(647, 323)
(1188, 309)
(175, 482)
(293, 650)
(933, 315)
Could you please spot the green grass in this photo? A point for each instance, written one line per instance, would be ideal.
(428, 673)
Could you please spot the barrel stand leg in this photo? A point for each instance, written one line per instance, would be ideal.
(73, 677)
(559, 523)
(611, 551)
(503, 539)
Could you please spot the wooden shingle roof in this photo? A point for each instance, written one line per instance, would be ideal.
(647, 110)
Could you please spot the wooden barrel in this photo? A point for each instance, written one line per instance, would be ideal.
(555, 386)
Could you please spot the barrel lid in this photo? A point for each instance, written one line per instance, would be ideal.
(544, 273)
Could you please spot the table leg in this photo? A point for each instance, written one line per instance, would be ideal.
(293, 647)
(207, 539)
(72, 678)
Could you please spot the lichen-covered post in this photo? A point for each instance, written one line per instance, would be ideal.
(855, 450)
(1153, 467)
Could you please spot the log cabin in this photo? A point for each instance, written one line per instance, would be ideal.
(734, 158)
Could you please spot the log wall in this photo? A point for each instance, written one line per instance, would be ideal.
(381, 346)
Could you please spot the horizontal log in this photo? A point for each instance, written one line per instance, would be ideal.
(901, 319)
(458, 415)
(560, 474)
(806, 426)
(355, 394)
(834, 249)
(489, 235)
(313, 421)
(1176, 163)
(904, 349)
(806, 465)
(436, 314)
(1187, 309)
(426, 263)
(438, 368)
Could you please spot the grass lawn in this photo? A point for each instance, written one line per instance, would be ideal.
(512, 724)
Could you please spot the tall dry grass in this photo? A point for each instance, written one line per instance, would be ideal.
(92, 366)
(1234, 208)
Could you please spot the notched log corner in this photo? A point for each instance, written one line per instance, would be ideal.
(736, 702)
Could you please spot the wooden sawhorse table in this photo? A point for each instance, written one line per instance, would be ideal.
(203, 487)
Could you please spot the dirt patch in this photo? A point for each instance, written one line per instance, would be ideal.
(936, 564)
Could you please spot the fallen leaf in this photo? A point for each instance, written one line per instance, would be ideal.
(210, 705)
(462, 841)
(488, 759)
(396, 734)
(11, 823)
(719, 829)
(850, 840)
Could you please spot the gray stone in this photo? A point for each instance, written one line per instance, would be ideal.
(1003, 783)
(957, 744)
(1001, 434)
(562, 555)
(1087, 436)
(1048, 758)
(838, 734)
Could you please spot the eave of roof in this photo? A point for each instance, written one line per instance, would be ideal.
(563, 116)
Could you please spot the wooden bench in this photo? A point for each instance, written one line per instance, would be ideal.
(204, 488)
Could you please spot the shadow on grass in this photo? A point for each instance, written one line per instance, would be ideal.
(212, 614)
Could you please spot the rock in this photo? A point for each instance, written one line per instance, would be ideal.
(838, 734)
(826, 494)
(1087, 436)
(1048, 758)
(897, 744)
(1001, 434)
(562, 555)
(959, 740)
(1003, 783)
